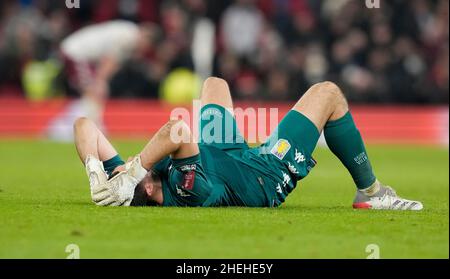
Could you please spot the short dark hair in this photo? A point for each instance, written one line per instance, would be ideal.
(140, 197)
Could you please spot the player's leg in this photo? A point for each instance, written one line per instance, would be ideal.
(325, 105)
(216, 91)
(323, 102)
(218, 127)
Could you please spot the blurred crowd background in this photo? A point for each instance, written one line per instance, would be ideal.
(267, 49)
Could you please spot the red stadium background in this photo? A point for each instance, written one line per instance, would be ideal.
(141, 118)
(391, 62)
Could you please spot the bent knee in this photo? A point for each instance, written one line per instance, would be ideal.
(214, 86)
(216, 91)
(175, 126)
(329, 88)
(214, 82)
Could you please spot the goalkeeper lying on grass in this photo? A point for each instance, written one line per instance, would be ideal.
(227, 172)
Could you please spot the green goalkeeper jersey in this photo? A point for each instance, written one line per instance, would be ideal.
(213, 178)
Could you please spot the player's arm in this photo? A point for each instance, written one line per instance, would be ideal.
(174, 139)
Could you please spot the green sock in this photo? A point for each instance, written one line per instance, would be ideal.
(111, 164)
(344, 140)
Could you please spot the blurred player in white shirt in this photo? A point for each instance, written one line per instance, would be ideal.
(91, 56)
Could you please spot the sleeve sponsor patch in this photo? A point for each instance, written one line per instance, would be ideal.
(188, 180)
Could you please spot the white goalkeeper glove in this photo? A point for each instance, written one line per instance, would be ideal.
(96, 175)
(119, 190)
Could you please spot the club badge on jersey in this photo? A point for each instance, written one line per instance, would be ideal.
(281, 148)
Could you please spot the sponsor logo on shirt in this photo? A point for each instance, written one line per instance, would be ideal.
(188, 168)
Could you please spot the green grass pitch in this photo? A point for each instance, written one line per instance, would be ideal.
(45, 205)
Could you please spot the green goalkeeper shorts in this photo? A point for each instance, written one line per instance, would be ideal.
(277, 164)
(286, 157)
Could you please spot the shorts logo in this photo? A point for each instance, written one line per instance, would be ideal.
(211, 111)
(299, 157)
(281, 148)
(292, 168)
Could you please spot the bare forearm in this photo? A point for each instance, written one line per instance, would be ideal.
(174, 139)
(89, 140)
